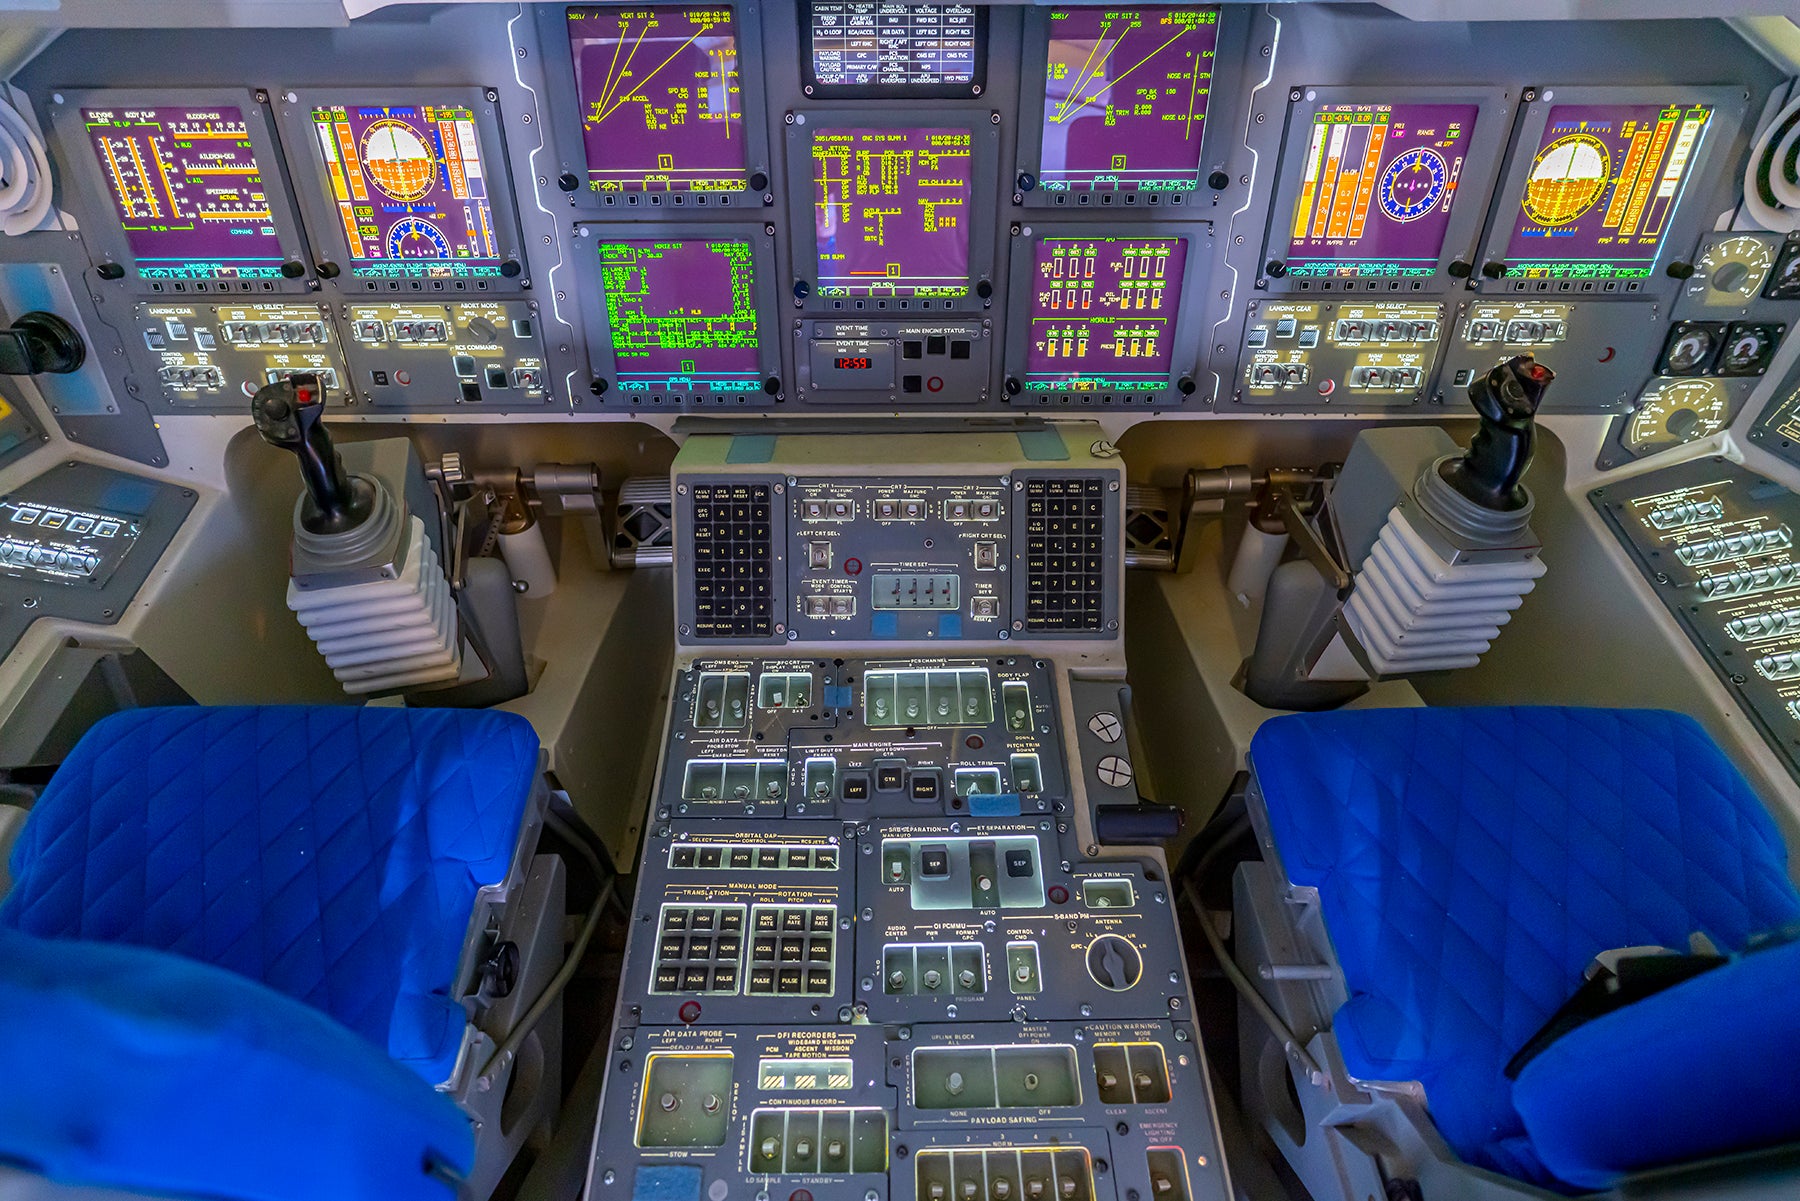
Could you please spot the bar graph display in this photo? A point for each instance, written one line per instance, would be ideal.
(1103, 313)
(1376, 189)
(1604, 185)
(188, 191)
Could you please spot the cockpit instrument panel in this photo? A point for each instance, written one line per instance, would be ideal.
(1124, 101)
(891, 217)
(1595, 188)
(681, 309)
(1370, 185)
(660, 91)
(182, 187)
(887, 48)
(1101, 315)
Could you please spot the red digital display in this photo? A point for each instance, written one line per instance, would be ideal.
(844, 364)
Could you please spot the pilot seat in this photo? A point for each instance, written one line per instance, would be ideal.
(1433, 885)
(282, 952)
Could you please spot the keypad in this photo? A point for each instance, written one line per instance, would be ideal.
(792, 950)
(1065, 553)
(732, 561)
(699, 949)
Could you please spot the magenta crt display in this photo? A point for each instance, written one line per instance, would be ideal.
(1376, 190)
(1603, 187)
(1125, 95)
(661, 100)
(1103, 313)
(188, 191)
(410, 189)
(891, 211)
(682, 314)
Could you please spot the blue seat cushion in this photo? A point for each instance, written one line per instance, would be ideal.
(332, 853)
(140, 1070)
(1471, 862)
(1701, 1069)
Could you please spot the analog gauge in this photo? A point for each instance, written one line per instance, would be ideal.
(1674, 411)
(1690, 348)
(1784, 284)
(1748, 348)
(1735, 268)
(1413, 184)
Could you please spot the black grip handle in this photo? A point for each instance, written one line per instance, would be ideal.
(290, 414)
(1506, 399)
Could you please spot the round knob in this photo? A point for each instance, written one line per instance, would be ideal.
(758, 182)
(984, 289)
(326, 270)
(1275, 269)
(292, 270)
(1185, 385)
(1012, 384)
(481, 329)
(1730, 276)
(1679, 269)
(1218, 181)
(567, 181)
(1461, 269)
(802, 289)
(1114, 963)
(1027, 181)
(598, 387)
(772, 385)
(1493, 270)
(511, 268)
(110, 271)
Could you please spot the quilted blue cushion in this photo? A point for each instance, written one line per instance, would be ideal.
(1471, 862)
(1702, 1069)
(332, 853)
(145, 1071)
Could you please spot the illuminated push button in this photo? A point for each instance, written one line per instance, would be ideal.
(934, 863)
(403, 377)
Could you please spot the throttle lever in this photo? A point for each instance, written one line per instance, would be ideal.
(290, 414)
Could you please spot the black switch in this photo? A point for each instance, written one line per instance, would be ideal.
(959, 349)
(890, 777)
(682, 857)
(936, 344)
(912, 383)
(464, 365)
(496, 377)
(379, 378)
(471, 392)
(924, 786)
(856, 786)
(934, 863)
(912, 350)
(1018, 864)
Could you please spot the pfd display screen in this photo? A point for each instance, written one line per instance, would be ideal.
(1103, 313)
(188, 191)
(1604, 184)
(882, 43)
(661, 99)
(1376, 191)
(891, 211)
(410, 188)
(1125, 94)
(682, 314)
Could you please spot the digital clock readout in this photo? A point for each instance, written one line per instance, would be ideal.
(849, 364)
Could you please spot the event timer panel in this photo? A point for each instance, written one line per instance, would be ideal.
(1604, 184)
(872, 47)
(661, 98)
(891, 211)
(682, 314)
(188, 191)
(1103, 313)
(1377, 187)
(1125, 94)
(410, 189)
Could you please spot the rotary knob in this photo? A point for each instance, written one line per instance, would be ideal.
(1114, 963)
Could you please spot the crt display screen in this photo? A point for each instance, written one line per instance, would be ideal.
(891, 211)
(1125, 95)
(187, 190)
(1103, 313)
(682, 314)
(1377, 187)
(885, 43)
(661, 100)
(411, 190)
(1604, 185)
